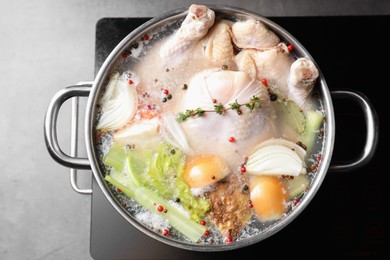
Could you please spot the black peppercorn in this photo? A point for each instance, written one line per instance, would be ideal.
(273, 97)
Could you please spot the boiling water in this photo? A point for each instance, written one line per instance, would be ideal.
(141, 64)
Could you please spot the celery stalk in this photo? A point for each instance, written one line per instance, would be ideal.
(313, 123)
(149, 199)
(164, 174)
(132, 175)
(158, 173)
(115, 157)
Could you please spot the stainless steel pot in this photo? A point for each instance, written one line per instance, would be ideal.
(92, 90)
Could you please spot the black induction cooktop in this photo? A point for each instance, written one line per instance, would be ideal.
(347, 215)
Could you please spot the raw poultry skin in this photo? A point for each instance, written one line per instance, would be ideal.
(218, 46)
(252, 34)
(272, 64)
(210, 133)
(301, 80)
(295, 79)
(196, 25)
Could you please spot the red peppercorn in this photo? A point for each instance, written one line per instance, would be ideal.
(166, 232)
(296, 201)
(251, 205)
(166, 91)
(265, 82)
(206, 233)
(229, 240)
(319, 157)
(232, 139)
(125, 55)
(290, 47)
(160, 208)
(243, 169)
(119, 190)
(203, 222)
(131, 82)
(146, 37)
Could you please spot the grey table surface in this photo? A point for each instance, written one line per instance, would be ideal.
(46, 45)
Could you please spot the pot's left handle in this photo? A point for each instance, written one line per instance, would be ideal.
(50, 130)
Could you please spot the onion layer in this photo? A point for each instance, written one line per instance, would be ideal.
(277, 157)
(119, 103)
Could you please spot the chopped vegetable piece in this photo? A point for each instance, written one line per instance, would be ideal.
(165, 175)
(313, 122)
(119, 103)
(276, 157)
(297, 185)
(143, 134)
(148, 199)
(115, 157)
(162, 172)
(174, 135)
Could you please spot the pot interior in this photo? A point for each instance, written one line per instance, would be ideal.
(134, 50)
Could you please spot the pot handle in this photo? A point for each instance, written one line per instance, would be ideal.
(50, 128)
(372, 126)
(73, 146)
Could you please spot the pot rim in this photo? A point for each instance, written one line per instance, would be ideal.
(327, 149)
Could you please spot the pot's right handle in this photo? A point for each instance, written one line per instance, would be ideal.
(372, 127)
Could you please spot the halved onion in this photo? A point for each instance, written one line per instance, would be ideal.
(269, 197)
(203, 170)
(119, 103)
(277, 157)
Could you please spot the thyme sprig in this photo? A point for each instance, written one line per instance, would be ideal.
(253, 103)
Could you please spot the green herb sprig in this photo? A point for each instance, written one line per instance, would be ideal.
(253, 103)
